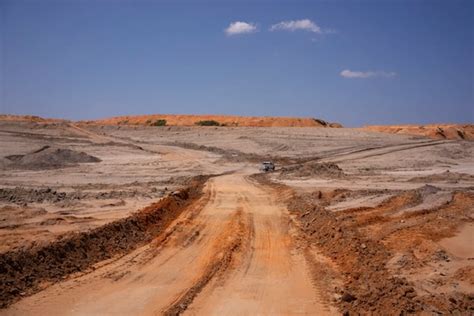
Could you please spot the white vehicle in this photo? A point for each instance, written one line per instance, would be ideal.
(267, 166)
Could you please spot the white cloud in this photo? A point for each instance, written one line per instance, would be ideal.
(238, 27)
(304, 25)
(366, 74)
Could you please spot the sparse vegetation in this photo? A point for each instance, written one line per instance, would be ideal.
(208, 123)
(160, 122)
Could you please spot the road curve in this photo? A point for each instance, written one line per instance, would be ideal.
(230, 253)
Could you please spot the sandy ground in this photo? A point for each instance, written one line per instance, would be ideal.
(241, 248)
(128, 178)
(233, 211)
(436, 131)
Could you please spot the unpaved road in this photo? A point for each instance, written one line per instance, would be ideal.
(231, 252)
(399, 209)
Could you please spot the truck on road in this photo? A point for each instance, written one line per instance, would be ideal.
(267, 166)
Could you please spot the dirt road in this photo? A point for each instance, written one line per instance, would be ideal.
(232, 252)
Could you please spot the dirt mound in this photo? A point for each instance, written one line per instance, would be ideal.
(48, 158)
(22, 271)
(447, 176)
(362, 248)
(223, 120)
(312, 169)
(21, 195)
(27, 118)
(427, 190)
(362, 260)
(436, 131)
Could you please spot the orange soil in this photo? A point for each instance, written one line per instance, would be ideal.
(436, 131)
(229, 120)
(28, 118)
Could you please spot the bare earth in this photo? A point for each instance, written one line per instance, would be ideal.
(436, 131)
(352, 221)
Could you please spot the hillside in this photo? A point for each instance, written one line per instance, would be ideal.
(28, 118)
(226, 120)
(435, 131)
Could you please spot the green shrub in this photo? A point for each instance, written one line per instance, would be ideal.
(159, 123)
(208, 123)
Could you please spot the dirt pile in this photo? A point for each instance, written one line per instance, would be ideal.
(47, 158)
(362, 241)
(22, 271)
(223, 120)
(311, 169)
(368, 288)
(21, 195)
(436, 131)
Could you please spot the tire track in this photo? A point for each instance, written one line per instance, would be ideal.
(232, 254)
(384, 151)
(224, 255)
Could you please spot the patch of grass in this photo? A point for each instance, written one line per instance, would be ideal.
(208, 123)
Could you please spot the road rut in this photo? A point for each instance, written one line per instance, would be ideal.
(230, 253)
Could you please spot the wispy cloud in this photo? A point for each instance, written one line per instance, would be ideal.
(366, 74)
(239, 27)
(303, 25)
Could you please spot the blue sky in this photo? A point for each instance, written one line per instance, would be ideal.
(354, 62)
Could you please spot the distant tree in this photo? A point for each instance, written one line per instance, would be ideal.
(159, 123)
(208, 123)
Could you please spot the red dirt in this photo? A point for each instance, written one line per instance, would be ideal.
(28, 118)
(361, 242)
(435, 131)
(24, 271)
(227, 120)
